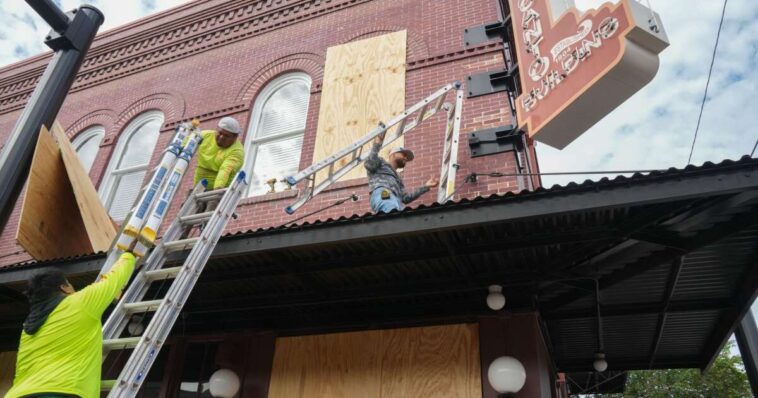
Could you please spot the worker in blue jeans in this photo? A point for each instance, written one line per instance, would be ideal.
(386, 186)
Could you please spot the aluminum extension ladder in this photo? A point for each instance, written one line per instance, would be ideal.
(405, 122)
(166, 310)
(144, 219)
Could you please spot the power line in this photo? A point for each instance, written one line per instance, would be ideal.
(708, 81)
(564, 173)
(754, 146)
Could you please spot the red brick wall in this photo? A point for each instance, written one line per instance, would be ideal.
(210, 59)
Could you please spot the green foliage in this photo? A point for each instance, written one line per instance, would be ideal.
(726, 379)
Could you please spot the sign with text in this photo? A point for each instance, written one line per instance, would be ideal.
(576, 68)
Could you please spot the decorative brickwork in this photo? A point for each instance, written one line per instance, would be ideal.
(209, 59)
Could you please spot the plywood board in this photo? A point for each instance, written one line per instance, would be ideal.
(50, 225)
(97, 222)
(364, 83)
(439, 361)
(7, 370)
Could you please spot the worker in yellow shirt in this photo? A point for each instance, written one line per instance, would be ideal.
(220, 156)
(61, 348)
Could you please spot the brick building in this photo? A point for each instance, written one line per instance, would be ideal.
(278, 298)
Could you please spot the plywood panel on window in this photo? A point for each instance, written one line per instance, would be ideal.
(438, 361)
(364, 83)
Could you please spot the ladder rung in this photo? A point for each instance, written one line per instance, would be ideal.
(209, 195)
(179, 245)
(107, 385)
(421, 113)
(142, 306)
(195, 218)
(121, 343)
(163, 273)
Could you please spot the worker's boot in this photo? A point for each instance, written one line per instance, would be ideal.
(209, 206)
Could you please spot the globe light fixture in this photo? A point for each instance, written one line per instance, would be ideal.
(224, 383)
(496, 300)
(506, 375)
(135, 328)
(600, 364)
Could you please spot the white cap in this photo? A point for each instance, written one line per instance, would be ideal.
(229, 124)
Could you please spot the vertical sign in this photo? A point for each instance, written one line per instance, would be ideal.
(576, 68)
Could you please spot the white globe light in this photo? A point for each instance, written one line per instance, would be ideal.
(600, 363)
(135, 328)
(506, 375)
(224, 383)
(496, 300)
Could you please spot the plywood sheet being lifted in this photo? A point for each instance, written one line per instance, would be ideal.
(99, 226)
(364, 83)
(438, 361)
(61, 215)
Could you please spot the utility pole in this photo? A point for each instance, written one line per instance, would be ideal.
(747, 340)
(71, 36)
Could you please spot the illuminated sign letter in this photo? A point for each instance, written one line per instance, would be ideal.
(577, 68)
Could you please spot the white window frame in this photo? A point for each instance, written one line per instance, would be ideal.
(85, 136)
(107, 188)
(252, 142)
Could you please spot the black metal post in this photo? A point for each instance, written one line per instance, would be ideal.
(747, 340)
(70, 38)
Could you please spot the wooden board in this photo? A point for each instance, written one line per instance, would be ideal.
(7, 371)
(50, 225)
(364, 83)
(438, 361)
(97, 222)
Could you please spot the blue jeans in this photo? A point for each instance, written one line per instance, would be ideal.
(379, 205)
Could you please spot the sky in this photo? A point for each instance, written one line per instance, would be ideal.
(22, 30)
(655, 127)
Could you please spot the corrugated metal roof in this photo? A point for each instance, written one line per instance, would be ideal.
(437, 268)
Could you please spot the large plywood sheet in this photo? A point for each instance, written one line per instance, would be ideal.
(439, 361)
(7, 370)
(97, 222)
(50, 225)
(364, 83)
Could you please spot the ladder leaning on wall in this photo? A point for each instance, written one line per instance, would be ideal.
(143, 222)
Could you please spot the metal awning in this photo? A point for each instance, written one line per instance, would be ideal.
(674, 254)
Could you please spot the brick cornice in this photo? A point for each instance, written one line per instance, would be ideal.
(222, 24)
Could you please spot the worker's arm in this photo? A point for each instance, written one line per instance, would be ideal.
(97, 296)
(373, 161)
(229, 167)
(431, 183)
(410, 197)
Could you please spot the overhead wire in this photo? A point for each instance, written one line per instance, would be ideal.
(708, 81)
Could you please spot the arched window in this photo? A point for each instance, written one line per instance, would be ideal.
(87, 143)
(128, 165)
(275, 135)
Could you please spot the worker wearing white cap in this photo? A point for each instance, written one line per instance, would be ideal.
(220, 155)
(386, 186)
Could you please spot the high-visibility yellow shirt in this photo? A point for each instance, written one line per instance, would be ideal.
(66, 354)
(217, 165)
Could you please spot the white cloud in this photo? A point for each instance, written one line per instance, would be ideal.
(22, 30)
(654, 128)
